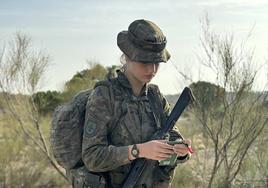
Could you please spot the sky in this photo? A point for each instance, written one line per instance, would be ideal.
(74, 31)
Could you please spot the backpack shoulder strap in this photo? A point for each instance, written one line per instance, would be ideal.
(156, 102)
(115, 115)
(108, 84)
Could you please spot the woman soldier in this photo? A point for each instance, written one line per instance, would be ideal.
(112, 148)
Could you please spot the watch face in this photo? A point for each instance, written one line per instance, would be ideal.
(134, 152)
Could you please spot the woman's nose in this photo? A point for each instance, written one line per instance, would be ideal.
(152, 68)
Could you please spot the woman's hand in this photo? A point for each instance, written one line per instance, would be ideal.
(155, 150)
(160, 150)
(183, 148)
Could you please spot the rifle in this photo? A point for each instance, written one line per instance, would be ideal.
(145, 166)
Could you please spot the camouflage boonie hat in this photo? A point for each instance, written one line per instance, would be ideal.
(143, 42)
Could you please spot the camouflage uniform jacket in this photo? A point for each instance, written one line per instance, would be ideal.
(105, 147)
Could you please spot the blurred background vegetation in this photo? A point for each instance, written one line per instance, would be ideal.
(227, 124)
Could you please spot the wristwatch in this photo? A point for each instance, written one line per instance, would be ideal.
(135, 151)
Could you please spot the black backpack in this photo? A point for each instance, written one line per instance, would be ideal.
(68, 125)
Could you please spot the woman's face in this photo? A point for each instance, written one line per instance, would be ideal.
(142, 72)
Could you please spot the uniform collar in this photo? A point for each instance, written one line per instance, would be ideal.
(125, 83)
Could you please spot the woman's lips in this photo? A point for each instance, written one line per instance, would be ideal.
(149, 76)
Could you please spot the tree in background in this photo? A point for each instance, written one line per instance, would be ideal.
(209, 96)
(85, 79)
(231, 114)
(25, 114)
(47, 101)
(21, 71)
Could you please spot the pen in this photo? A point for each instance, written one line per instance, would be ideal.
(189, 148)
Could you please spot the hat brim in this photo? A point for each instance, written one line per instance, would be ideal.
(138, 54)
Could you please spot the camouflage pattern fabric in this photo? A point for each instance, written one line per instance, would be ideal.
(143, 42)
(105, 148)
(82, 178)
(66, 131)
